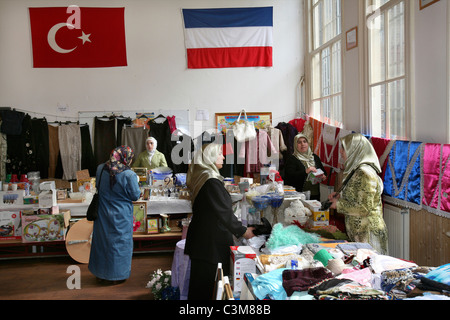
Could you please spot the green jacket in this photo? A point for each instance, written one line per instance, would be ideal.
(158, 160)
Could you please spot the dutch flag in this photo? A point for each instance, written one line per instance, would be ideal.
(228, 38)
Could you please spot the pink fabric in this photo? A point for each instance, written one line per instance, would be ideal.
(362, 276)
(257, 151)
(436, 162)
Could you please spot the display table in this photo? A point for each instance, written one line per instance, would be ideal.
(154, 207)
(142, 243)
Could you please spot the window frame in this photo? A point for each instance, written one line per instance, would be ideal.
(311, 54)
(368, 110)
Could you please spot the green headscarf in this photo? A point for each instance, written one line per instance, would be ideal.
(358, 150)
(305, 157)
(203, 168)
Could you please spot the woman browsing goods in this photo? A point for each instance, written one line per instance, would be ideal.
(360, 199)
(213, 224)
(112, 238)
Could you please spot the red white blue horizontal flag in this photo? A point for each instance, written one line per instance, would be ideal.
(229, 37)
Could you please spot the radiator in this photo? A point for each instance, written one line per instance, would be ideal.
(397, 222)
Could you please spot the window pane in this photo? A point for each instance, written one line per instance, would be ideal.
(336, 82)
(317, 26)
(326, 79)
(378, 109)
(396, 100)
(337, 110)
(315, 109)
(326, 110)
(377, 49)
(372, 5)
(315, 74)
(396, 41)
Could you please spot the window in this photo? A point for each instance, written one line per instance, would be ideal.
(387, 77)
(325, 56)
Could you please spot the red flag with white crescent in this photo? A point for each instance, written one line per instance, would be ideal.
(93, 38)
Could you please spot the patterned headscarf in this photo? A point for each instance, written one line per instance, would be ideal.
(359, 150)
(119, 161)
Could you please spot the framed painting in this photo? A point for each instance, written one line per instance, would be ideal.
(425, 3)
(139, 217)
(352, 38)
(225, 121)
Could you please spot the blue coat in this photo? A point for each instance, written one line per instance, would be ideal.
(112, 239)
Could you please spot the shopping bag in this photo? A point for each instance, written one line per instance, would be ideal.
(244, 131)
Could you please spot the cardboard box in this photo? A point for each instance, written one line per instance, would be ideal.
(47, 199)
(242, 262)
(45, 227)
(10, 225)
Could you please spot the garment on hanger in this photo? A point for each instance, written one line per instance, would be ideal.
(53, 150)
(436, 178)
(181, 159)
(276, 137)
(172, 123)
(402, 176)
(87, 153)
(20, 157)
(70, 147)
(298, 123)
(161, 132)
(104, 139)
(121, 122)
(40, 144)
(12, 122)
(134, 137)
(257, 151)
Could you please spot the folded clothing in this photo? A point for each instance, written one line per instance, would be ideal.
(302, 280)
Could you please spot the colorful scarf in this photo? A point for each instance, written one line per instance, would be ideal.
(436, 178)
(402, 183)
(119, 161)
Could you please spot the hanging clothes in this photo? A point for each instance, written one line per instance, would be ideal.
(277, 139)
(12, 122)
(180, 144)
(172, 123)
(257, 151)
(121, 122)
(436, 178)
(135, 137)
(161, 132)
(402, 176)
(87, 154)
(104, 139)
(53, 150)
(40, 144)
(20, 157)
(70, 147)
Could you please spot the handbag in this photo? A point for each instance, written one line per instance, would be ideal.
(244, 131)
(92, 211)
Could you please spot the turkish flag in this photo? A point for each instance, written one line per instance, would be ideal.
(95, 37)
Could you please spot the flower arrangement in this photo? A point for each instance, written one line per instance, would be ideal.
(160, 285)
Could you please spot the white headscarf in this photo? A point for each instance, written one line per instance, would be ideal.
(151, 153)
(305, 157)
(202, 168)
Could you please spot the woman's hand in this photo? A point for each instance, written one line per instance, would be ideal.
(311, 169)
(249, 233)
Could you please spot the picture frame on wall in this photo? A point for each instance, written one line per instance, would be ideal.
(225, 121)
(425, 3)
(352, 38)
(139, 217)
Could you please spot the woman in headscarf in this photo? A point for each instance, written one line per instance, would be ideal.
(210, 233)
(300, 164)
(112, 238)
(360, 199)
(150, 158)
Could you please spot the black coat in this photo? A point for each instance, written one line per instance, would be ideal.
(295, 174)
(210, 233)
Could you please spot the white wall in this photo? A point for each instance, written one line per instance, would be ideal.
(156, 76)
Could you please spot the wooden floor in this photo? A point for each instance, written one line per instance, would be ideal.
(46, 279)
